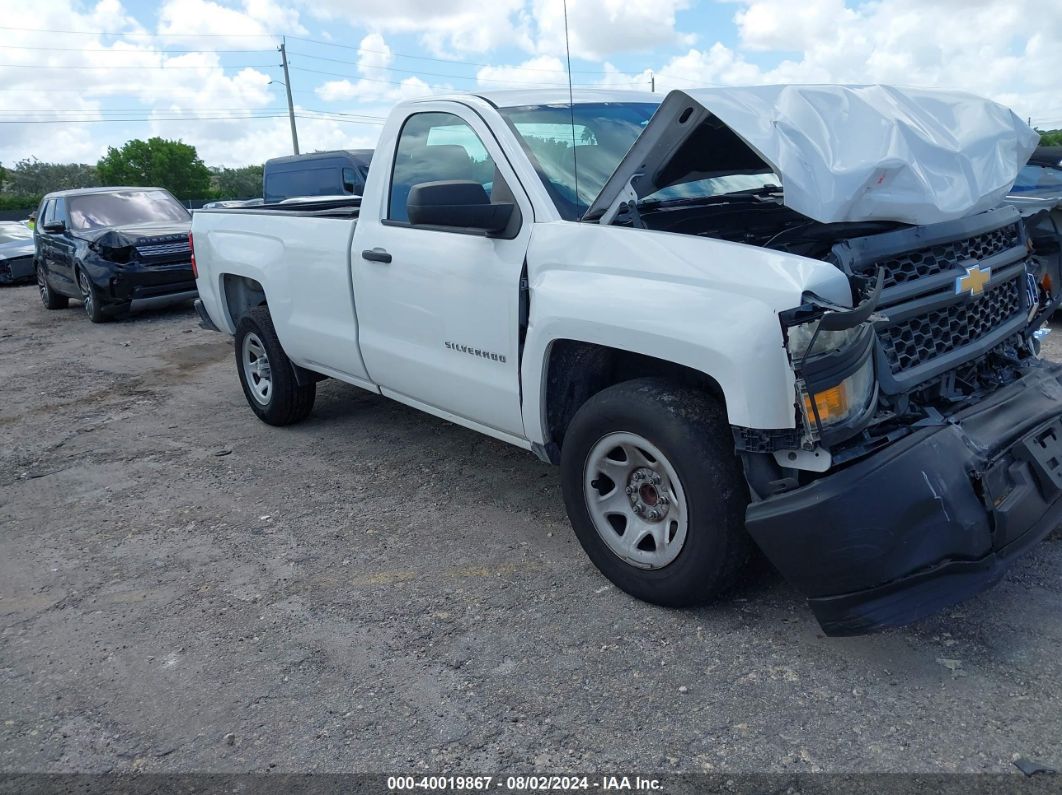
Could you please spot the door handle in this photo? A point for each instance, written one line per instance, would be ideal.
(376, 255)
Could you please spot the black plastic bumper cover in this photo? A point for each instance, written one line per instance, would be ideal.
(928, 521)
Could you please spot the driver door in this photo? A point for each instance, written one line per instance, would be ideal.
(439, 307)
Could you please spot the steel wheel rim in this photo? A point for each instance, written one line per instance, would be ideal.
(256, 369)
(42, 285)
(635, 500)
(86, 293)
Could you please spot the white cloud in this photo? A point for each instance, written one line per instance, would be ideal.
(1008, 50)
(600, 28)
(376, 83)
(90, 78)
(226, 25)
(544, 71)
(597, 28)
(454, 25)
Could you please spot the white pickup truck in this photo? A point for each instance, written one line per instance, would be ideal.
(792, 317)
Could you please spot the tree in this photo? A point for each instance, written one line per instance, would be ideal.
(1050, 137)
(156, 162)
(237, 183)
(31, 177)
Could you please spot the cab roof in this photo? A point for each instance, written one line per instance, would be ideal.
(515, 98)
(85, 191)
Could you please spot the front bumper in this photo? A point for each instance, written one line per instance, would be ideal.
(928, 521)
(16, 269)
(139, 286)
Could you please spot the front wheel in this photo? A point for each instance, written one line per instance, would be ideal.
(49, 297)
(655, 493)
(90, 299)
(266, 373)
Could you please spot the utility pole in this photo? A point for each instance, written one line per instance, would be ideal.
(652, 82)
(287, 87)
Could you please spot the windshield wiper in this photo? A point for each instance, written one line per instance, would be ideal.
(746, 195)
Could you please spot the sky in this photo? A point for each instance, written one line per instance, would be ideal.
(78, 77)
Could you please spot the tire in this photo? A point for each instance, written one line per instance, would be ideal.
(90, 298)
(672, 446)
(49, 297)
(271, 390)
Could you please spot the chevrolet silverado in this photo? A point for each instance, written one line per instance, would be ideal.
(796, 317)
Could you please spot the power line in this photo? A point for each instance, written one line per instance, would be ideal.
(141, 119)
(111, 51)
(319, 42)
(442, 60)
(145, 33)
(485, 80)
(432, 74)
(79, 67)
(134, 110)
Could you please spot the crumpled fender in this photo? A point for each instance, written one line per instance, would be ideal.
(703, 303)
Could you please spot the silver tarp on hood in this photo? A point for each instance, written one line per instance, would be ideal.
(842, 153)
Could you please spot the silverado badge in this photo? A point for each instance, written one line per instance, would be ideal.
(974, 281)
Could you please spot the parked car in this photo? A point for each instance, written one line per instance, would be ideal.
(114, 249)
(226, 203)
(16, 252)
(838, 362)
(341, 172)
(1037, 195)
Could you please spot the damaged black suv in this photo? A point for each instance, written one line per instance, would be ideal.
(114, 249)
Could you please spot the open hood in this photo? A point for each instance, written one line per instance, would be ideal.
(842, 153)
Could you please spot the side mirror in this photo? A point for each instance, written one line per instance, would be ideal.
(459, 203)
(54, 226)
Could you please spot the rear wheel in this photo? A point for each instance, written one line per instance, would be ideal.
(266, 373)
(49, 297)
(655, 493)
(90, 299)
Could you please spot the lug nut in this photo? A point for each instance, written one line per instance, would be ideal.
(654, 515)
(656, 479)
(638, 508)
(629, 490)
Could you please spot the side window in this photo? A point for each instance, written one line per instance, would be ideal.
(48, 215)
(59, 210)
(433, 147)
(350, 184)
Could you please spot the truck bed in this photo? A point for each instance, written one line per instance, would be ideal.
(326, 208)
(297, 255)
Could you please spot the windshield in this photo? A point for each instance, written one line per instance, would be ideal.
(1033, 177)
(124, 208)
(602, 134)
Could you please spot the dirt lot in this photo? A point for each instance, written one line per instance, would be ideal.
(183, 588)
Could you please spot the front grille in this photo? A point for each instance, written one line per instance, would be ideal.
(925, 327)
(165, 250)
(931, 260)
(912, 342)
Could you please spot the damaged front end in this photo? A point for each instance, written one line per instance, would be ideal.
(930, 446)
(141, 269)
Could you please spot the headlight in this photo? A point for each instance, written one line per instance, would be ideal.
(800, 337)
(835, 373)
(848, 399)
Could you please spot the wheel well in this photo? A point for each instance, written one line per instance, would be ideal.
(579, 370)
(242, 294)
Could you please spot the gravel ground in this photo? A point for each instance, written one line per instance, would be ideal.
(183, 588)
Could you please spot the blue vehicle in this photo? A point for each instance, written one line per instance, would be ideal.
(338, 173)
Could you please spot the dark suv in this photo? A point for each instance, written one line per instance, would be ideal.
(114, 249)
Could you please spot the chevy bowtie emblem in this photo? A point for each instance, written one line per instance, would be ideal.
(973, 283)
